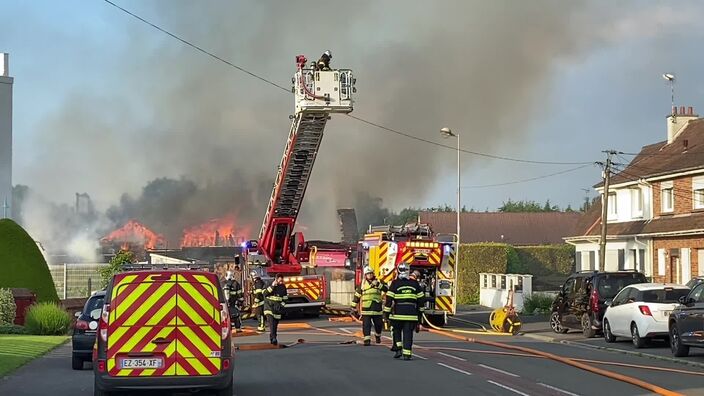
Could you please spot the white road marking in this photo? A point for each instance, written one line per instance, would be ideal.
(508, 388)
(499, 370)
(420, 357)
(454, 368)
(557, 389)
(345, 330)
(452, 356)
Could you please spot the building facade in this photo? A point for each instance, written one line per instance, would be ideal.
(5, 137)
(655, 221)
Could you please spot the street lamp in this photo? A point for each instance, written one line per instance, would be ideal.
(447, 133)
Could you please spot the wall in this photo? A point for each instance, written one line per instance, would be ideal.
(682, 196)
(624, 204)
(694, 243)
(612, 248)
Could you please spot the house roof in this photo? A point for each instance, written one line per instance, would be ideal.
(662, 158)
(516, 228)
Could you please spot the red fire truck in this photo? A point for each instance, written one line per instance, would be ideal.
(280, 250)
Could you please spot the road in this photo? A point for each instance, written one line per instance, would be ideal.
(326, 363)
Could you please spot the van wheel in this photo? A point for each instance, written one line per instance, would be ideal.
(556, 324)
(225, 391)
(678, 349)
(638, 342)
(608, 335)
(76, 363)
(587, 326)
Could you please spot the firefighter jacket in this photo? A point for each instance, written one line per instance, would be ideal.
(236, 294)
(324, 63)
(404, 300)
(275, 298)
(370, 294)
(258, 293)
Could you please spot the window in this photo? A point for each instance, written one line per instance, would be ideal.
(568, 287)
(641, 260)
(612, 205)
(621, 259)
(622, 296)
(667, 197)
(700, 261)
(636, 202)
(698, 191)
(697, 294)
(661, 262)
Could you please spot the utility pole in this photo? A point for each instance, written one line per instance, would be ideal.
(605, 207)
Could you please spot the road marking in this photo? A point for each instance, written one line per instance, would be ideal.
(557, 389)
(420, 357)
(498, 370)
(508, 388)
(454, 368)
(345, 330)
(452, 356)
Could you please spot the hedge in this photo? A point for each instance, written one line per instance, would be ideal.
(549, 264)
(22, 264)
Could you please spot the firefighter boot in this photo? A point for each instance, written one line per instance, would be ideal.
(398, 353)
(378, 339)
(367, 342)
(407, 357)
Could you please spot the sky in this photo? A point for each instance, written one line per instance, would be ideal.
(104, 103)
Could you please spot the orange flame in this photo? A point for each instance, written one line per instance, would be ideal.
(216, 232)
(134, 232)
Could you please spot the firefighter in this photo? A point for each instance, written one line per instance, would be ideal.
(275, 297)
(258, 299)
(403, 308)
(235, 298)
(370, 292)
(324, 61)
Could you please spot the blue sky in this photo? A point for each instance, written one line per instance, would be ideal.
(88, 78)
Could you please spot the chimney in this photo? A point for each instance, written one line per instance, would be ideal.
(678, 120)
(4, 64)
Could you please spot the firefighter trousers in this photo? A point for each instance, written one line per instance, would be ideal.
(403, 335)
(259, 315)
(273, 327)
(367, 321)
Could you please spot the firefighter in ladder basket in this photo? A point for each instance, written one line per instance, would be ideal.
(370, 292)
(275, 297)
(258, 299)
(403, 307)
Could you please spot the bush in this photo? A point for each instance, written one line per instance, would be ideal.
(8, 308)
(47, 319)
(12, 329)
(116, 264)
(537, 303)
(549, 264)
(22, 263)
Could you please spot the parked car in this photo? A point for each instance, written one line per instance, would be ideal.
(581, 302)
(84, 330)
(164, 329)
(641, 312)
(695, 281)
(687, 322)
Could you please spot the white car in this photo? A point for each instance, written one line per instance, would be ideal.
(641, 312)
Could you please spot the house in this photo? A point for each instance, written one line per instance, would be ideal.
(518, 229)
(655, 220)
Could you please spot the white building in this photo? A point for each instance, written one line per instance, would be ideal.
(5, 137)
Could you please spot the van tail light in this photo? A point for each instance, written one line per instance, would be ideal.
(103, 325)
(224, 321)
(81, 325)
(594, 301)
(101, 365)
(225, 363)
(645, 310)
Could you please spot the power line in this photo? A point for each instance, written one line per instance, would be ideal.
(529, 179)
(263, 79)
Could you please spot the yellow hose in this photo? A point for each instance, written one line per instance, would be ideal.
(473, 332)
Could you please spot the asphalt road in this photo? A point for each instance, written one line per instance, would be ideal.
(325, 363)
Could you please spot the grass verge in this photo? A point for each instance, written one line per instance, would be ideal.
(16, 350)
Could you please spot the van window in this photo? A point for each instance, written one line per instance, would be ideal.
(610, 285)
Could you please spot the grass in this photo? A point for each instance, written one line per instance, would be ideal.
(16, 350)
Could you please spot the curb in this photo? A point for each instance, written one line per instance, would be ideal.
(617, 350)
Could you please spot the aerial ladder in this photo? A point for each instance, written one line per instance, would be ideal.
(278, 249)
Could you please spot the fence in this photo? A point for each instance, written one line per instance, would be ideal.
(494, 289)
(74, 280)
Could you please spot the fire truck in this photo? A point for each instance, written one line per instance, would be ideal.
(385, 247)
(279, 249)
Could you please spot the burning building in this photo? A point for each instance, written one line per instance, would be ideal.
(224, 231)
(133, 236)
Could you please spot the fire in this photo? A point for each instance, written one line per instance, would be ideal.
(134, 232)
(216, 232)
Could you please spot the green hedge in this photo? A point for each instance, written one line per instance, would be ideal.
(47, 319)
(22, 264)
(549, 264)
(8, 308)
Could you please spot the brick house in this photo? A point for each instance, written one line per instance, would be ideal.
(656, 209)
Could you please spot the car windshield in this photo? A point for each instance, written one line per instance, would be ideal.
(663, 296)
(610, 285)
(93, 304)
(694, 281)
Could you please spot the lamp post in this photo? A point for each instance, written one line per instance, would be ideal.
(447, 133)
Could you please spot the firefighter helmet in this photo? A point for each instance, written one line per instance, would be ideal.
(254, 274)
(328, 53)
(415, 274)
(228, 275)
(368, 270)
(403, 269)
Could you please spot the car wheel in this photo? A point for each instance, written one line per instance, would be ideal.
(638, 342)
(556, 325)
(226, 391)
(76, 363)
(608, 335)
(678, 350)
(587, 326)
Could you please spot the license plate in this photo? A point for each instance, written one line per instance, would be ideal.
(141, 363)
(294, 291)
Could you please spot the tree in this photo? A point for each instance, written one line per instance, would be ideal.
(121, 258)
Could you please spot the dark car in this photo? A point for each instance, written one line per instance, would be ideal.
(687, 322)
(581, 302)
(694, 281)
(84, 330)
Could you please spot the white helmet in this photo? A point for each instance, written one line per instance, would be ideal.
(328, 53)
(368, 270)
(228, 275)
(254, 274)
(403, 270)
